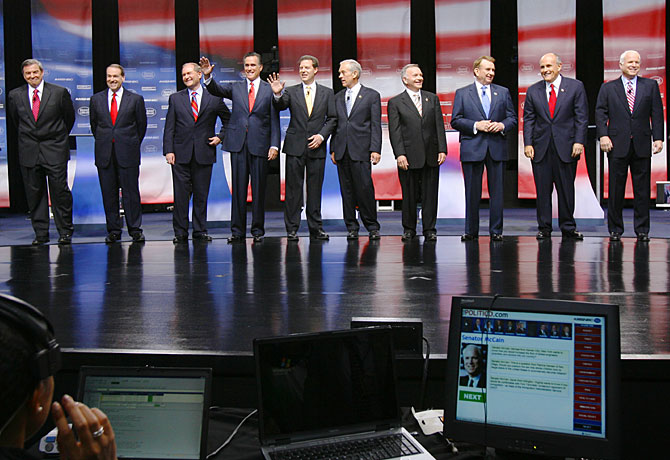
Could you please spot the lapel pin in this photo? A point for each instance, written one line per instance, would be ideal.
(495, 94)
(562, 90)
(360, 97)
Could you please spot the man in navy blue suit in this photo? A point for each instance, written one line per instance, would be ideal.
(119, 123)
(629, 114)
(555, 121)
(483, 114)
(189, 145)
(355, 147)
(252, 138)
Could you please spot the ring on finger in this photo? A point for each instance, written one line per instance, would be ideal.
(99, 432)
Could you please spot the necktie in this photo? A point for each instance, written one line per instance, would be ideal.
(252, 96)
(417, 102)
(308, 100)
(36, 104)
(486, 102)
(114, 110)
(194, 106)
(472, 383)
(630, 95)
(552, 100)
(350, 103)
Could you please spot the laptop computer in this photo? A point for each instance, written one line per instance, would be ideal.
(318, 390)
(156, 413)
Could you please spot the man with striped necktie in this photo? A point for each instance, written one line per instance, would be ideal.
(629, 114)
(189, 145)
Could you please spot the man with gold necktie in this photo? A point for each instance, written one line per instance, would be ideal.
(313, 119)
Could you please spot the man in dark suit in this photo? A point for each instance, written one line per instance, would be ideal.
(119, 123)
(629, 114)
(355, 147)
(555, 121)
(313, 119)
(416, 129)
(43, 114)
(189, 145)
(474, 366)
(252, 138)
(483, 114)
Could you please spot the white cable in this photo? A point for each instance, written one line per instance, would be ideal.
(230, 438)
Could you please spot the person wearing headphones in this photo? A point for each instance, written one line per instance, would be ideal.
(29, 357)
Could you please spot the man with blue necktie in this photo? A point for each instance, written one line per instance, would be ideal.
(483, 114)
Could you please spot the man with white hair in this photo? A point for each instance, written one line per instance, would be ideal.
(629, 114)
(416, 129)
(355, 147)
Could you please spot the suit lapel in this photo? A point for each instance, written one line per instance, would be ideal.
(561, 94)
(27, 104)
(619, 90)
(46, 94)
(639, 88)
(300, 94)
(121, 105)
(359, 97)
(407, 100)
(475, 100)
(319, 98)
(494, 99)
(187, 104)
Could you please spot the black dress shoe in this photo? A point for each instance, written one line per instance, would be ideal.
(543, 235)
(40, 241)
(496, 237)
(235, 239)
(320, 235)
(65, 239)
(202, 237)
(468, 237)
(374, 235)
(180, 239)
(643, 237)
(615, 236)
(352, 235)
(573, 235)
(292, 236)
(138, 237)
(408, 236)
(258, 238)
(431, 237)
(112, 237)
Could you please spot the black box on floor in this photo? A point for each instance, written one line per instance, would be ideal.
(407, 333)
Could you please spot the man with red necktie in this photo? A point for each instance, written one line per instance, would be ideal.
(119, 123)
(252, 138)
(555, 122)
(44, 116)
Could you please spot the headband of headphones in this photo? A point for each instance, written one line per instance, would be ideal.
(37, 330)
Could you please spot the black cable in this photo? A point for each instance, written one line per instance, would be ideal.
(230, 438)
(424, 376)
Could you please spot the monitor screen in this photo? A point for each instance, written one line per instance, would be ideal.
(534, 375)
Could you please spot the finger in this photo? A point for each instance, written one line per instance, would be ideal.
(66, 440)
(103, 420)
(92, 423)
(78, 419)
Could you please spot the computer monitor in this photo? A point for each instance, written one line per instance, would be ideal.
(535, 376)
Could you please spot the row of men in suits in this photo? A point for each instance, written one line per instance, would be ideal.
(555, 120)
(629, 114)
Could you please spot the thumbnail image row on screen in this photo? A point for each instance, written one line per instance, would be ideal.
(521, 328)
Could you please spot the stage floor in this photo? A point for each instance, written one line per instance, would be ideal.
(215, 297)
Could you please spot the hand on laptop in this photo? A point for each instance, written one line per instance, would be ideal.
(95, 433)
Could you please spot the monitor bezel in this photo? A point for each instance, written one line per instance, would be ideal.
(529, 440)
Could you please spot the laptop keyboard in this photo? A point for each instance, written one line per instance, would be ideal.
(376, 448)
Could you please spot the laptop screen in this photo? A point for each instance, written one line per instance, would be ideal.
(334, 382)
(156, 413)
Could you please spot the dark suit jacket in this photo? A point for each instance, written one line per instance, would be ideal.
(361, 131)
(184, 137)
(468, 110)
(570, 122)
(262, 124)
(614, 119)
(50, 133)
(419, 138)
(302, 126)
(464, 380)
(128, 132)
